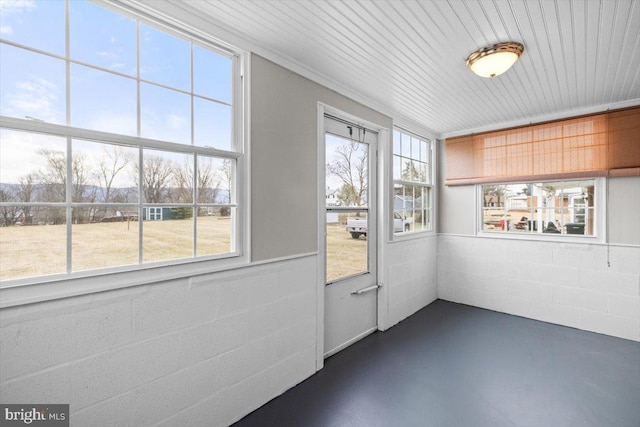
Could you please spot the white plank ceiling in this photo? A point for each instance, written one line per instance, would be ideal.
(407, 57)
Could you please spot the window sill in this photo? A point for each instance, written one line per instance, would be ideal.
(395, 238)
(545, 237)
(34, 290)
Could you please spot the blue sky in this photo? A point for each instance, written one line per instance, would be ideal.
(33, 85)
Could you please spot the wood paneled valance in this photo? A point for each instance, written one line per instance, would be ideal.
(604, 144)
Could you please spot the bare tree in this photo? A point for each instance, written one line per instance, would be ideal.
(183, 177)
(54, 175)
(7, 213)
(224, 174)
(25, 193)
(350, 167)
(208, 185)
(54, 178)
(114, 161)
(157, 176)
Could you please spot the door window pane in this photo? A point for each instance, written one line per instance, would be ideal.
(347, 250)
(347, 170)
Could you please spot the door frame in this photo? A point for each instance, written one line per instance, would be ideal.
(382, 173)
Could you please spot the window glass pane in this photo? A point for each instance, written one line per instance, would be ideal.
(18, 19)
(396, 142)
(214, 230)
(408, 172)
(562, 207)
(166, 114)
(32, 86)
(415, 148)
(215, 177)
(101, 37)
(167, 233)
(212, 124)
(424, 151)
(346, 170)
(104, 173)
(103, 101)
(104, 236)
(347, 253)
(167, 177)
(423, 173)
(164, 59)
(32, 167)
(212, 74)
(406, 145)
(35, 243)
(397, 167)
(411, 208)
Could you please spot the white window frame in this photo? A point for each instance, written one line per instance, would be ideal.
(599, 213)
(27, 290)
(431, 186)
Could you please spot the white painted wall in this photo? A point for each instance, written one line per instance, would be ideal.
(410, 283)
(197, 351)
(581, 285)
(564, 283)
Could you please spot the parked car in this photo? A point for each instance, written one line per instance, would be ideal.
(358, 226)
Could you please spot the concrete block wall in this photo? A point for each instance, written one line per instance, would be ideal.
(584, 286)
(411, 277)
(196, 351)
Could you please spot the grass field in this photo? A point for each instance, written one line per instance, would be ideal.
(40, 250)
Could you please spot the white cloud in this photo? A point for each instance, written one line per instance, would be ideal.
(20, 153)
(175, 121)
(36, 98)
(6, 30)
(15, 6)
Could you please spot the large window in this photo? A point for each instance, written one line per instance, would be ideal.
(549, 208)
(119, 142)
(412, 183)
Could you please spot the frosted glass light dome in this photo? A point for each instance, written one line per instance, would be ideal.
(494, 60)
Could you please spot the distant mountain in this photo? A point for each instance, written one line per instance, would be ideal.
(91, 193)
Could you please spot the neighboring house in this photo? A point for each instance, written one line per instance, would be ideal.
(402, 203)
(332, 200)
(156, 213)
(332, 197)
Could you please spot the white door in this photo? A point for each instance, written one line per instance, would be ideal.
(350, 233)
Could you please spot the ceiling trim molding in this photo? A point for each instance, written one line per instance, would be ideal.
(544, 118)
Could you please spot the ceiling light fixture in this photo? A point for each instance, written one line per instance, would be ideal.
(494, 60)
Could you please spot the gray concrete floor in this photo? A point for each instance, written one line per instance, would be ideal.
(455, 365)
